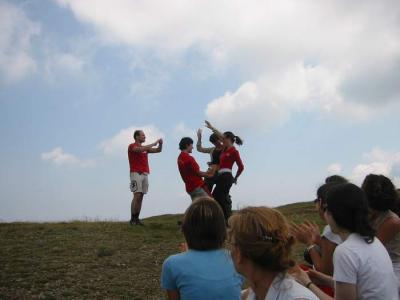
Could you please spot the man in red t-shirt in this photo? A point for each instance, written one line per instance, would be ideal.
(190, 171)
(139, 170)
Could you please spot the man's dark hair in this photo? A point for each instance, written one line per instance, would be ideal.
(203, 225)
(185, 142)
(136, 134)
(347, 203)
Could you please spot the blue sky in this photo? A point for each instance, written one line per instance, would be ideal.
(312, 88)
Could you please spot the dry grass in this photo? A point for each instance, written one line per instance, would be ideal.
(93, 259)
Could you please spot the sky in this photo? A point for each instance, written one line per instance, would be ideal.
(312, 87)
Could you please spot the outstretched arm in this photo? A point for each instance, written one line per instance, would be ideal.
(215, 130)
(158, 149)
(199, 146)
(144, 148)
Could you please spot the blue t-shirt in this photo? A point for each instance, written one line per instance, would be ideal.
(202, 275)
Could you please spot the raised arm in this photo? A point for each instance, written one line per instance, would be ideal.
(143, 148)
(158, 149)
(199, 146)
(215, 130)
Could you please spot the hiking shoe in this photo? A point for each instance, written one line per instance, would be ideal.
(132, 222)
(138, 222)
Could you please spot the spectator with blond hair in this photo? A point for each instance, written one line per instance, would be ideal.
(261, 251)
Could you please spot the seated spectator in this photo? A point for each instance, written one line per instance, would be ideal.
(261, 251)
(206, 270)
(382, 196)
(362, 266)
(320, 248)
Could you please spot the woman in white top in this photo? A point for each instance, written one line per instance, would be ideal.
(261, 251)
(382, 197)
(320, 248)
(362, 266)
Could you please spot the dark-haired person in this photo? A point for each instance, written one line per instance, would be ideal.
(139, 171)
(261, 246)
(336, 179)
(320, 248)
(362, 266)
(382, 196)
(190, 171)
(215, 153)
(206, 270)
(229, 156)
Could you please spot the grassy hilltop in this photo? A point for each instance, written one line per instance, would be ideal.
(95, 259)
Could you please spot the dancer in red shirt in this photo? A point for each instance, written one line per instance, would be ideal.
(225, 179)
(190, 171)
(139, 171)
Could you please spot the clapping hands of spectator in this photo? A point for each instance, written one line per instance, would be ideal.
(306, 233)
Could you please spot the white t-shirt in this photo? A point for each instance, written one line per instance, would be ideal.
(330, 236)
(368, 266)
(285, 288)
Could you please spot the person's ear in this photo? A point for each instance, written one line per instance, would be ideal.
(237, 256)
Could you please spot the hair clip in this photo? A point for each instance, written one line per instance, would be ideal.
(268, 238)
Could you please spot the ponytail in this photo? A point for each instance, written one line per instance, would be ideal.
(238, 140)
(233, 138)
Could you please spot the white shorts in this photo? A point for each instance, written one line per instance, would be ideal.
(139, 183)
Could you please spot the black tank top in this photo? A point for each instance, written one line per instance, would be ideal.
(215, 157)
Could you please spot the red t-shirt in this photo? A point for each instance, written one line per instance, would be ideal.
(138, 161)
(229, 157)
(188, 168)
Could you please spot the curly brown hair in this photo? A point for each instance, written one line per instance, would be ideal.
(262, 235)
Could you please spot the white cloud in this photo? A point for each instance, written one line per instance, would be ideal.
(335, 57)
(60, 158)
(334, 168)
(57, 62)
(118, 144)
(16, 34)
(180, 130)
(378, 161)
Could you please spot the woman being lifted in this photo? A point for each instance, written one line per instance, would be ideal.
(225, 179)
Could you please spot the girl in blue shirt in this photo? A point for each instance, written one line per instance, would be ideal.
(206, 270)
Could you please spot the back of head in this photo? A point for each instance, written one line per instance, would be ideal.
(262, 236)
(381, 192)
(214, 138)
(322, 192)
(203, 225)
(335, 179)
(185, 142)
(233, 138)
(348, 206)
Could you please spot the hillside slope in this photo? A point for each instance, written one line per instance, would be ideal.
(94, 259)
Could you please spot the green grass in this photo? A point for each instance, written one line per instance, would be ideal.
(95, 259)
